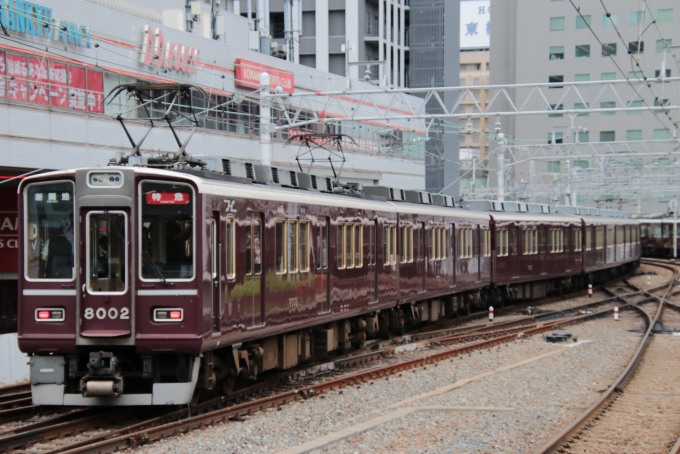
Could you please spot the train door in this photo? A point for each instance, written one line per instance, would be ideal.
(254, 261)
(322, 281)
(422, 257)
(106, 310)
(453, 254)
(216, 242)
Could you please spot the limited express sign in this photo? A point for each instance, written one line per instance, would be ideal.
(248, 75)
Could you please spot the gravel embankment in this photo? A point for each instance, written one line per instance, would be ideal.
(510, 399)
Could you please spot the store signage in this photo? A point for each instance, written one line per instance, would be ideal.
(30, 18)
(248, 75)
(475, 24)
(164, 54)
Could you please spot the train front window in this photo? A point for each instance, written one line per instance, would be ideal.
(166, 231)
(49, 234)
(106, 242)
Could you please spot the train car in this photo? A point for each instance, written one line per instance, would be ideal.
(150, 284)
(656, 237)
(141, 286)
(536, 254)
(609, 243)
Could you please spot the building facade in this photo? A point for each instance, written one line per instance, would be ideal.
(551, 42)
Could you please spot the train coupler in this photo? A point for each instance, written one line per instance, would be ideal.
(103, 378)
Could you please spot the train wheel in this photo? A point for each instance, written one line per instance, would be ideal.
(228, 385)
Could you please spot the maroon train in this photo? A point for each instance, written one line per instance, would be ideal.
(142, 286)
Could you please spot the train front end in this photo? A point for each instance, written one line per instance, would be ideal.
(107, 286)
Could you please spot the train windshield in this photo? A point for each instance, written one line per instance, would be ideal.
(167, 231)
(49, 231)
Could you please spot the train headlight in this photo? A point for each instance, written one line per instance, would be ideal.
(168, 314)
(50, 314)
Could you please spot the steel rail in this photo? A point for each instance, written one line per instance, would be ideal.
(562, 439)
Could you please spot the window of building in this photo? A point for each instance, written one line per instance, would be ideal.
(582, 78)
(662, 134)
(637, 103)
(555, 80)
(555, 107)
(555, 137)
(582, 50)
(609, 49)
(554, 167)
(608, 76)
(502, 243)
(581, 106)
(636, 18)
(583, 21)
(634, 134)
(664, 15)
(475, 138)
(475, 81)
(636, 47)
(636, 75)
(610, 19)
(607, 136)
(583, 137)
(463, 67)
(581, 164)
(557, 23)
(557, 52)
(657, 73)
(461, 83)
(661, 44)
(607, 105)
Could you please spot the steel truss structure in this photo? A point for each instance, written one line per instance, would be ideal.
(660, 95)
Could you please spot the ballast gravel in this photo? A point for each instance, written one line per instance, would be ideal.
(509, 399)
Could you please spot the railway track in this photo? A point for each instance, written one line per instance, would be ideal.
(103, 430)
(640, 412)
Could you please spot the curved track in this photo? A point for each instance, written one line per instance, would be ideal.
(640, 412)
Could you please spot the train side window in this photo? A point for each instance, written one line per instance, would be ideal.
(322, 247)
(386, 245)
(358, 245)
(502, 240)
(257, 246)
(371, 245)
(589, 238)
(577, 240)
(610, 236)
(231, 242)
(340, 252)
(291, 243)
(643, 231)
(599, 238)
(410, 243)
(470, 242)
(280, 247)
(666, 230)
(393, 238)
(453, 240)
(526, 242)
(462, 237)
(486, 242)
(404, 246)
(442, 236)
(249, 247)
(349, 246)
(303, 246)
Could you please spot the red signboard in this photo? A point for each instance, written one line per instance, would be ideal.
(248, 75)
(3, 71)
(9, 233)
(17, 73)
(58, 84)
(95, 91)
(168, 198)
(76, 88)
(38, 91)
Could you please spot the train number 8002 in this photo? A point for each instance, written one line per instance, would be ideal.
(112, 313)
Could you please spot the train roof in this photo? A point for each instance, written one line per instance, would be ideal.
(535, 217)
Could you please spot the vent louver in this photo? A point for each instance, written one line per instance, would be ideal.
(314, 182)
(293, 179)
(329, 185)
(249, 171)
(226, 166)
(275, 174)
